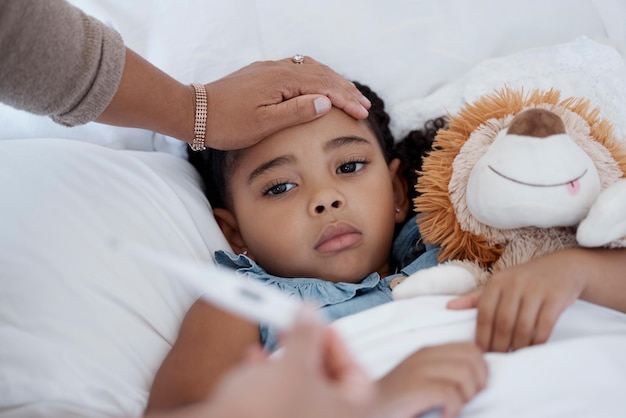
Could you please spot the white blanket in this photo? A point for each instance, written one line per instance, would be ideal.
(580, 372)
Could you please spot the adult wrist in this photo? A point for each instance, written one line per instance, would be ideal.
(200, 116)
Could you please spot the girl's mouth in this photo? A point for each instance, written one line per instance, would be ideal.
(337, 237)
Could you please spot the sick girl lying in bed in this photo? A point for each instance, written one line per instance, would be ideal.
(321, 211)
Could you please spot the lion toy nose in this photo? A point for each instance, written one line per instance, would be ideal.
(538, 123)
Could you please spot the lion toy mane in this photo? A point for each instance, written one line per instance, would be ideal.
(516, 176)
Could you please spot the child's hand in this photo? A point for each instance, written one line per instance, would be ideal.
(519, 306)
(445, 377)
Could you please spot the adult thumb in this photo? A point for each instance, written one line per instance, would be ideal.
(303, 343)
(301, 109)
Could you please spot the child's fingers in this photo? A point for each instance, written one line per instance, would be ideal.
(443, 396)
(469, 371)
(546, 319)
(525, 326)
(466, 301)
(504, 321)
(462, 376)
(485, 317)
(443, 377)
(459, 364)
(451, 409)
(478, 366)
(438, 395)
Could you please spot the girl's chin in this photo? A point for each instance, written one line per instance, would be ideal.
(353, 276)
(346, 270)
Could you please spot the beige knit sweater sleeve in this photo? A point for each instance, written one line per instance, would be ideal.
(57, 61)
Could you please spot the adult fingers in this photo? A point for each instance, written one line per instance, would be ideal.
(349, 378)
(341, 91)
(340, 364)
(256, 354)
(306, 107)
(294, 111)
(349, 99)
(303, 343)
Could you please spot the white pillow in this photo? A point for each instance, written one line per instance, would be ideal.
(84, 328)
(582, 68)
(404, 49)
(18, 124)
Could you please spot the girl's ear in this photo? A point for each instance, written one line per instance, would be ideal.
(230, 228)
(400, 191)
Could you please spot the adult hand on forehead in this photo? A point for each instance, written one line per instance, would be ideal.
(264, 97)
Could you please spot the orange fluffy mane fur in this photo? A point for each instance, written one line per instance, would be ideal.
(437, 217)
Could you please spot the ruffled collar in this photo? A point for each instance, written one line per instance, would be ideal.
(318, 292)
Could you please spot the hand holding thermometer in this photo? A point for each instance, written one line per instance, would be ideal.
(222, 288)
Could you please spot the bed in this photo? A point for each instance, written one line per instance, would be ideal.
(83, 328)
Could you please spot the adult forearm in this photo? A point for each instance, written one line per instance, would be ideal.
(57, 61)
(150, 99)
(60, 62)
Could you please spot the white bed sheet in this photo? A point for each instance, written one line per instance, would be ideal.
(579, 372)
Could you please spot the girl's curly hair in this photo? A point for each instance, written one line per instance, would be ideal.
(412, 149)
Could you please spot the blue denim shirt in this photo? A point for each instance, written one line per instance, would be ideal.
(336, 300)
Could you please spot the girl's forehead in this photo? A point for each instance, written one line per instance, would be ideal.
(335, 123)
(315, 133)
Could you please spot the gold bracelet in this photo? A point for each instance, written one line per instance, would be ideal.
(199, 126)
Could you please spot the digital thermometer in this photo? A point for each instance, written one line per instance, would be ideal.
(249, 299)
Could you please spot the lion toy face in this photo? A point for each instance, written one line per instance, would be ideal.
(517, 176)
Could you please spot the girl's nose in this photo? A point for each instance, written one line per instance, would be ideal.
(319, 209)
(325, 197)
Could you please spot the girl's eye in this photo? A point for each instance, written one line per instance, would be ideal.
(351, 167)
(278, 189)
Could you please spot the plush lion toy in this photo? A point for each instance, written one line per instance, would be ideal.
(517, 176)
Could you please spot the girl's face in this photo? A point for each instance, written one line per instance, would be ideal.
(316, 200)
